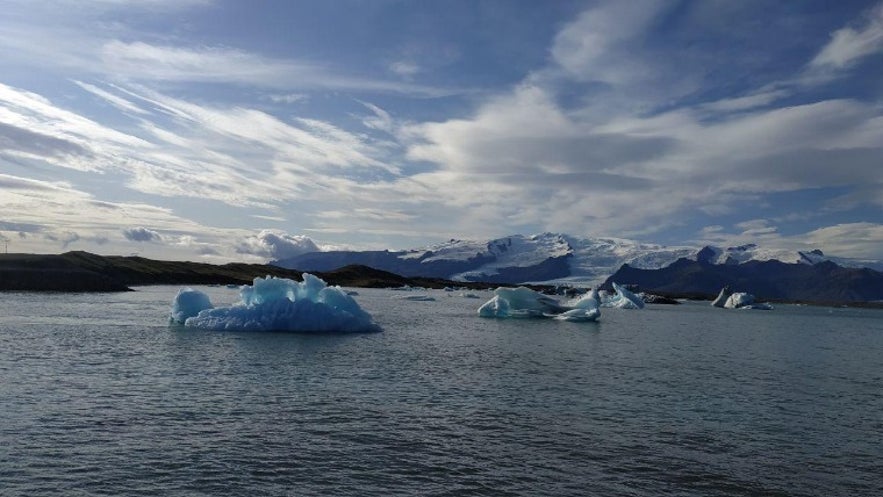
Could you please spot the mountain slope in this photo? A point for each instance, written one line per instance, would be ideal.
(509, 260)
(86, 272)
(771, 279)
(547, 258)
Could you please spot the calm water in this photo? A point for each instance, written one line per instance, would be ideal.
(100, 397)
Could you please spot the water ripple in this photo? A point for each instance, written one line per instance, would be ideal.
(99, 399)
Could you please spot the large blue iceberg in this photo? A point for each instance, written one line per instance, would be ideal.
(276, 304)
(523, 302)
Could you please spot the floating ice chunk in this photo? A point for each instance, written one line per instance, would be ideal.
(739, 299)
(763, 306)
(523, 302)
(418, 298)
(623, 299)
(470, 295)
(746, 301)
(579, 315)
(519, 302)
(188, 303)
(722, 297)
(279, 304)
(584, 308)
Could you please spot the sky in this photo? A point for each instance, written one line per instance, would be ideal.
(220, 130)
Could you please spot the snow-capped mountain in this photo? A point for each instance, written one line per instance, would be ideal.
(547, 258)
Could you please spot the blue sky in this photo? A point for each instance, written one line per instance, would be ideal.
(233, 130)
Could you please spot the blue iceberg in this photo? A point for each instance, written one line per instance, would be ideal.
(277, 304)
(523, 302)
(188, 303)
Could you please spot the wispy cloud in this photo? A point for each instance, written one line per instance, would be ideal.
(404, 68)
(624, 169)
(850, 44)
(115, 100)
(613, 132)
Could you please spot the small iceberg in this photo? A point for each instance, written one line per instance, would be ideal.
(523, 302)
(727, 299)
(584, 308)
(623, 299)
(418, 298)
(276, 304)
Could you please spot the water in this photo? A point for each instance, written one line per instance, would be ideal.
(100, 397)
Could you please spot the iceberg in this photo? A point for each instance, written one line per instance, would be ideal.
(523, 302)
(623, 299)
(278, 304)
(738, 299)
(188, 303)
(722, 297)
(584, 308)
(746, 301)
(728, 299)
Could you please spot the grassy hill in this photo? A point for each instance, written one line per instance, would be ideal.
(86, 272)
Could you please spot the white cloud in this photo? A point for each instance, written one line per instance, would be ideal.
(276, 245)
(752, 101)
(288, 98)
(405, 68)
(142, 234)
(115, 100)
(380, 119)
(56, 211)
(236, 155)
(141, 61)
(850, 44)
(590, 48)
(861, 240)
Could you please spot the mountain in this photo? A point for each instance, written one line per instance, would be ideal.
(549, 258)
(546, 258)
(824, 281)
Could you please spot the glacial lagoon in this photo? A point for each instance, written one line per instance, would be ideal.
(101, 396)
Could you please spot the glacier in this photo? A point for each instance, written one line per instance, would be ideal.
(522, 302)
(276, 304)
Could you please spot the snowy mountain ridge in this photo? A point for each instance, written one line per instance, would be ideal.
(552, 258)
